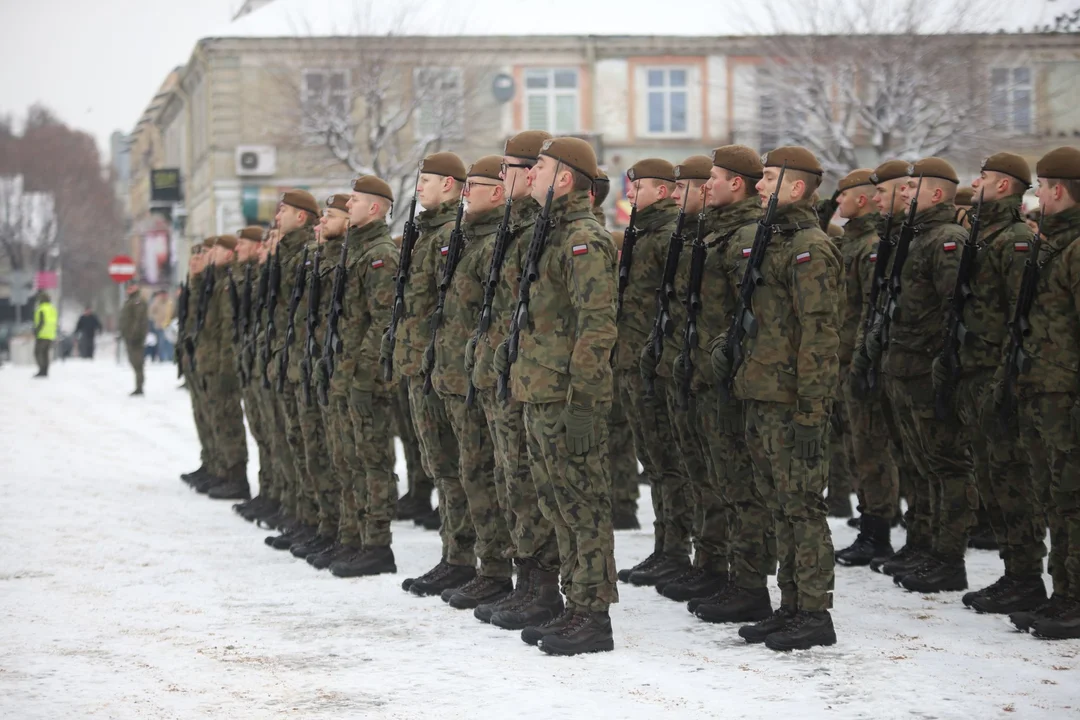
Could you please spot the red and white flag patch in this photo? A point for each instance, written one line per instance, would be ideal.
(445, 249)
(949, 246)
(873, 257)
(746, 252)
(579, 249)
(1022, 246)
(377, 263)
(803, 257)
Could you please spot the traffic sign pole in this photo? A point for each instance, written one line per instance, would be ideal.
(121, 269)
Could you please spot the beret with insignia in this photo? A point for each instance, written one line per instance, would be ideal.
(794, 157)
(371, 185)
(652, 168)
(1060, 164)
(891, 170)
(574, 152)
(695, 167)
(301, 200)
(1009, 164)
(337, 202)
(738, 159)
(855, 178)
(489, 166)
(446, 164)
(526, 145)
(935, 167)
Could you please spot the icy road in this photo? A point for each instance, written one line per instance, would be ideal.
(123, 594)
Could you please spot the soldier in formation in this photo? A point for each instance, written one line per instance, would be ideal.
(725, 339)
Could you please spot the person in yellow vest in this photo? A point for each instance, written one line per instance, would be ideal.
(44, 332)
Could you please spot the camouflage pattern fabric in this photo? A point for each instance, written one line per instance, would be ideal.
(701, 508)
(418, 482)
(374, 485)
(622, 460)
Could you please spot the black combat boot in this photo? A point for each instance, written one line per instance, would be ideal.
(587, 632)
(407, 583)
(1065, 625)
(739, 605)
(625, 518)
(717, 598)
(666, 567)
(941, 576)
(540, 606)
(624, 575)
(480, 589)
(533, 634)
(691, 573)
(839, 505)
(454, 576)
(315, 545)
(854, 522)
(992, 589)
(904, 559)
(193, 476)
(1049, 610)
(871, 544)
(704, 584)
(236, 489)
(410, 506)
(982, 535)
(303, 534)
(326, 558)
(522, 590)
(244, 508)
(774, 623)
(372, 560)
(430, 521)
(207, 483)
(927, 562)
(807, 630)
(265, 509)
(1018, 593)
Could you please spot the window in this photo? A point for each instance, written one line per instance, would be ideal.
(667, 101)
(1011, 100)
(551, 100)
(326, 91)
(768, 112)
(440, 98)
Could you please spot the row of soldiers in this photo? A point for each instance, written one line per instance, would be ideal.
(744, 367)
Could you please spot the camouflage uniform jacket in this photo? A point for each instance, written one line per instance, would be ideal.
(464, 299)
(290, 251)
(1005, 242)
(236, 349)
(1054, 342)
(186, 332)
(212, 341)
(732, 228)
(926, 281)
(134, 321)
(422, 290)
(565, 347)
(655, 224)
(369, 303)
(792, 359)
(329, 255)
(522, 220)
(673, 345)
(859, 247)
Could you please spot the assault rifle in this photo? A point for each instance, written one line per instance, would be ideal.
(200, 313)
(273, 274)
(332, 341)
(256, 325)
(494, 273)
(698, 254)
(955, 332)
(626, 262)
(743, 322)
(1017, 361)
(290, 331)
(879, 283)
(409, 235)
(530, 271)
(312, 323)
(662, 324)
(882, 328)
(181, 321)
(234, 303)
(453, 255)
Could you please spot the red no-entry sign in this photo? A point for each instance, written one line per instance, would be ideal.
(121, 269)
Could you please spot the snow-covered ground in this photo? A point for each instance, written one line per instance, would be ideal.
(123, 594)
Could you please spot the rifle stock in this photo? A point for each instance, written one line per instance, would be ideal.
(410, 234)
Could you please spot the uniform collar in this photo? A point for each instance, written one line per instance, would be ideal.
(435, 218)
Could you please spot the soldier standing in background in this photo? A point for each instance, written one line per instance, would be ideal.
(134, 324)
(563, 376)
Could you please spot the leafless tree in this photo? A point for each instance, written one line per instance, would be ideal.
(28, 226)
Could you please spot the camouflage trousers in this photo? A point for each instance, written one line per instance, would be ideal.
(870, 452)
(710, 516)
(484, 487)
(751, 535)
(419, 482)
(324, 486)
(136, 353)
(575, 495)
(286, 475)
(654, 438)
(259, 430)
(793, 489)
(1011, 489)
(202, 421)
(1046, 433)
(842, 477)
(622, 460)
(945, 498)
(305, 497)
(439, 449)
(532, 534)
(342, 449)
(226, 417)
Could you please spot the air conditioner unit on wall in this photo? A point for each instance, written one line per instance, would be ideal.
(256, 160)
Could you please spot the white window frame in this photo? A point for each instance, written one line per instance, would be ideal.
(450, 106)
(666, 91)
(327, 93)
(551, 94)
(694, 102)
(1006, 94)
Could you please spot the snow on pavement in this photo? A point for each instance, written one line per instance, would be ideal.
(123, 594)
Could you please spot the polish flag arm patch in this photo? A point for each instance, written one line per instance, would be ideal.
(873, 257)
(377, 263)
(803, 257)
(746, 252)
(445, 249)
(1022, 247)
(580, 249)
(949, 246)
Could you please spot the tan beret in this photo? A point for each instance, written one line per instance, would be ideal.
(855, 178)
(1009, 164)
(489, 166)
(794, 157)
(738, 159)
(652, 168)
(209, 242)
(227, 241)
(337, 201)
(446, 164)
(301, 200)
(252, 232)
(964, 197)
(935, 167)
(695, 167)
(371, 185)
(891, 170)
(572, 152)
(526, 145)
(1060, 164)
